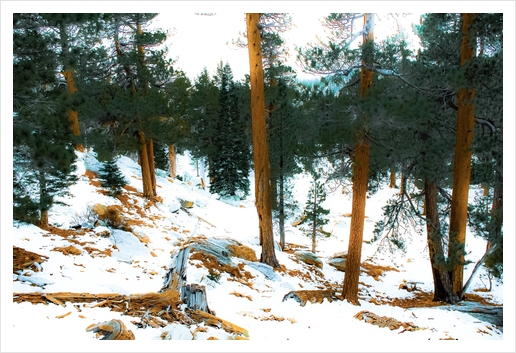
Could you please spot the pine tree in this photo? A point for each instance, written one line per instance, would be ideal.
(260, 147)
(203, 113)
(314, 213)
(161, 157)
(43, 142)
(230, 170)
(135, 97)
(283, 137)
(111, 178)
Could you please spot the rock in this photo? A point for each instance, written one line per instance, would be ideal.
(338, 263)
(309, 258)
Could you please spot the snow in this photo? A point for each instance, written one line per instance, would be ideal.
(139, 267)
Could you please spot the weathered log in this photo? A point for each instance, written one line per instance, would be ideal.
(111, 330)
(134, 304)
(176, 276)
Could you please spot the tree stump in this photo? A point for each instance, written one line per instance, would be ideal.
(194, 296)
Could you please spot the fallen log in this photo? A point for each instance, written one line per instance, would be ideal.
(134, 304)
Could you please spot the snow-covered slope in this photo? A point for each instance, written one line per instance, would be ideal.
(135, 258)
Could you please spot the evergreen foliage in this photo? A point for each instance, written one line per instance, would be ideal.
(229, 173)
(111, 178)
(43, 151)
(161, 156)
(314, 213)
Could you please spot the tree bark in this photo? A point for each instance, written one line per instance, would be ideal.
(392, 183)
(281, 208)
(144, 165)
(462, 164)
(43, 216)
(260, 148)
(403, 184)
(152, 168)
(442, 281)
(172, 161)
(360, 180)
(314, 225)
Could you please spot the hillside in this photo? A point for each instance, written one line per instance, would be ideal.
(101, 245)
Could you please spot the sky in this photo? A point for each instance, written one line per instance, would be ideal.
(273, 324)
(209, 38)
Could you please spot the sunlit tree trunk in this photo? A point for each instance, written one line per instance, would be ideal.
(260, 148)
(152, 167)
(144, 165)
(392, 183)
(172, 160)
(360, 180)
(403, 183)
(442, 281)
(462, 164)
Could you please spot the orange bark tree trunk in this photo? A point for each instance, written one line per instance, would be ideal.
(360, 180)
(462, 164)
(392, 183)
(260, 148)
(144, 165)
(172, 161)
(152, 168)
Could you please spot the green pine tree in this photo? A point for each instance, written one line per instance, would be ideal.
(43, 142)
(229, 173)
(314, 213)
(111, 178)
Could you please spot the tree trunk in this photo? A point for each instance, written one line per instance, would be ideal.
(442, 281)
(144, 164)
(73, 116)
(43, 216)
(282, 211)
(360, 180)
(152, 168)
(497, 209)
(260, 148)
(195, 297)
(392, 183)
(314, 221)
(403, 184)
(172, 161)
(462, 165)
